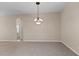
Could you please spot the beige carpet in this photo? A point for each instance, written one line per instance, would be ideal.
(34, 49)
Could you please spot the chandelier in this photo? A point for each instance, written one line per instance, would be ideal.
(38, 20)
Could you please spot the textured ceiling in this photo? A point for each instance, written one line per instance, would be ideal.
(13, 8)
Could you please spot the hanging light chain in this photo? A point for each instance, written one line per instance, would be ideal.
(37, 12)
(37, 3)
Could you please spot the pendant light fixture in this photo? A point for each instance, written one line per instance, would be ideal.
(38, 20)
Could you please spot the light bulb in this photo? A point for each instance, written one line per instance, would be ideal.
(35, 20)
(38, 21)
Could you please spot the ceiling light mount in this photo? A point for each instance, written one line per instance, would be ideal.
(37, 3)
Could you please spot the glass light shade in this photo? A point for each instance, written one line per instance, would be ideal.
(38, 21)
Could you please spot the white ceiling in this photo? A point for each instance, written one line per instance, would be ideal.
(13, 8)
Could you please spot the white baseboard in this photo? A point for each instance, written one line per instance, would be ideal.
(31, 40)
(71, 48)
(8, 40)
(42, 41)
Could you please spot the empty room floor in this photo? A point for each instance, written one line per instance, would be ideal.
(34, 49)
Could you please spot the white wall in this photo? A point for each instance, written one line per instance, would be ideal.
(70, 26)
(47, 31)
(8, 28)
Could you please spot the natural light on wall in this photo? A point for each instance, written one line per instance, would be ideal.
(19, 28)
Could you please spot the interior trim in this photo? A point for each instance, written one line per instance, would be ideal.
(70, 48)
